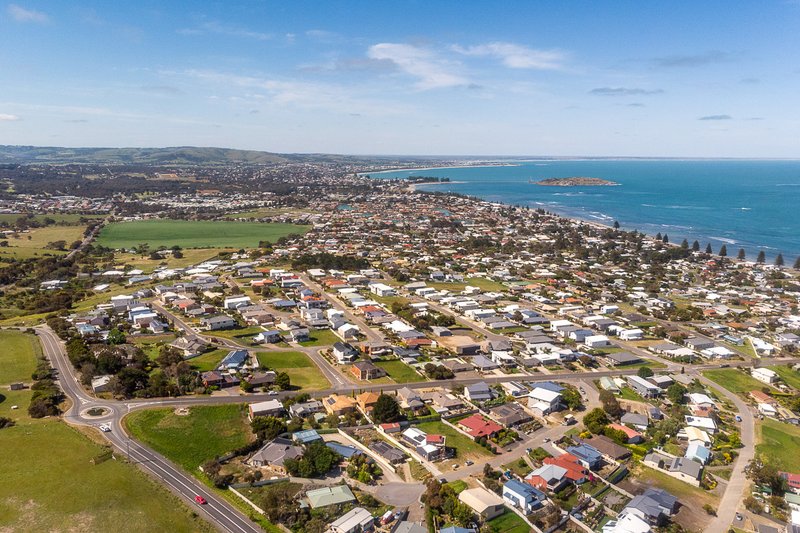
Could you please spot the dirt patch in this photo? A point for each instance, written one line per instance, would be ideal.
(182, 411)
(690, 514)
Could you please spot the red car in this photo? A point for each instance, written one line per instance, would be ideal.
(200, 500)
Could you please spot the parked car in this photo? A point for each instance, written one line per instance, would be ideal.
(738, 418)
(199, 499)
(468, 463)
(105, 428)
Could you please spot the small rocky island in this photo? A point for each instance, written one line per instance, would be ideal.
(575, 182)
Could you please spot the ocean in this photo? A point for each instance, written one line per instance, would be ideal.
(750, 204)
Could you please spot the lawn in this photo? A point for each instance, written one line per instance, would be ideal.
(683, 491)
(788, 376)
(465, 447)
(303, 373)
(399, 371)
(63, 491)
(520, 467)
(627, 393)
(778, 443)
(190, 257)
(209, 360)
(734, 380)
(243, 336)
(193, 233)
(321, 337)
(509, 522)
(18, 356)
(190, 440)
(458, 485)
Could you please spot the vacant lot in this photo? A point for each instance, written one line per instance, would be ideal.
(778, 443)
(190, 440)
(321, 337)
(465, 447)
(125, 260)
(303, 373)
(734, 380)
(66, 218)
(193, 234)
(509, 522)
(17, 356)
(399, 371)
(209, 360)
(32, 243)
(788, 376)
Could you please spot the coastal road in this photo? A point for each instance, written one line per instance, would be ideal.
(217, 511)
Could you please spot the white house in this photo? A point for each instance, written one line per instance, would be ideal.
(764, 375)
(232, 302)
(596, 341)
(543, 401)
(631, 334)
(381, 289)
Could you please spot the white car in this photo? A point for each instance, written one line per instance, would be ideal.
(105, 428)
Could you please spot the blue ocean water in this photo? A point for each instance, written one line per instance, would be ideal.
(753, 205)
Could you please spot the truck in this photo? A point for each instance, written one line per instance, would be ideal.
(387, 517)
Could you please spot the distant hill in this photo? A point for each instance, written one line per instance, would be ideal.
(179, 155)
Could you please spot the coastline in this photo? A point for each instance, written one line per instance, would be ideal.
(415, 169)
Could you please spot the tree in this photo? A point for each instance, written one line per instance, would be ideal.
(644, 372)
(572, 398)
(709, 251)
(267, 427)
(665, 240)
(685, 244)
(610, 403)
(283, 381)
(115, 336)
(761, 257)
(723, 251)
(742, 255)
(616, 224)
(596, 420)
(658, 236)
(695, 246)
(675, 393)
(617, 435)
(779, 260)
(797, 264)
(386, 409)
(462, 514)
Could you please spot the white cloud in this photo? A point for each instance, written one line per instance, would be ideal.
(432, 72)
(516, 56)
(5, 117)
(225, 29)
(20, 14)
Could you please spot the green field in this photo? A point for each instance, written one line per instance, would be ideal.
(778, 443)
(193, 234)
(191, 440)
(17, 356)
(508, 522)
(484, 284)
(302, 371)
(321, 337)
(66, 218)
(32, 243)
(49, 483)
(209, 360)
(734, 380)
(788, 376)
(466, 448)
(399, 371)
(124, 260)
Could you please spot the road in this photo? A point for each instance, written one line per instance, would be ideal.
(217, 511)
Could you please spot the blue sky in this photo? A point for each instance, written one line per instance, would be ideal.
(447, 77)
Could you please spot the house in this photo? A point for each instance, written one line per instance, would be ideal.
(344, 352)
(510, 414)
(523, 496)
(367, 400)
(792, 481)
(387, 451)
(307, 436)
(678, 467)
(327, 496)
(272, 336)
(336, 404)
(587, 455)
(477, 426)
(606, 383)
(365, 370)
(101, 384)
(698, 452)
(596, 341)
(275, 453)
(693, 434)
(268, 408)
(478, 392)
(218, 322)
(485, 503)
(190, 346)
(637, 420)
(215, 378)
(409, 399)
(653, 506)
(575, 471)
(698, 343)
(627, 522)
(234, 302)
(701, 422)
(622, 358)
(542, 401)
(610, 449)
(701, 400)
(548, 477)
(484, 364)
(234, 360)
(299, 335)
(643, 387)
(764, 375)
(261, 379)
(356, 520)
(632, 436)
(304, 409)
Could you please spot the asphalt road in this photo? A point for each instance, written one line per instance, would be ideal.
(217, 511)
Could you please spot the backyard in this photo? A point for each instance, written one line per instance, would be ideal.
(399, 371)
(303, 373)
